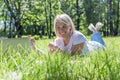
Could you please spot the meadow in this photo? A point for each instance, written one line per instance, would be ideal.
(20, 63)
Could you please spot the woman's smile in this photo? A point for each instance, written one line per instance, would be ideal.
(63, 30)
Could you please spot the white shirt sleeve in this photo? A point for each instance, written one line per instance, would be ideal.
(59, 43)
(78, 38)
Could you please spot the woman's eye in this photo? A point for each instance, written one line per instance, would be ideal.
(63, 27)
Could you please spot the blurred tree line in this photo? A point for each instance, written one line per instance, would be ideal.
(36, 17)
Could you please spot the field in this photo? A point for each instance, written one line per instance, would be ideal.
(19, 63)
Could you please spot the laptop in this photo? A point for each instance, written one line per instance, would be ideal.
(15, 43)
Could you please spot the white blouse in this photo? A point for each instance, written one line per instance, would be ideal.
(77, 38)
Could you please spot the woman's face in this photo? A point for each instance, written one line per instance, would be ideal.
(63, 30)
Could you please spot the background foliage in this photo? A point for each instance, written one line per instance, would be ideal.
(36, 17)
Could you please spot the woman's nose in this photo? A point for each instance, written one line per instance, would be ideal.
(61, 29)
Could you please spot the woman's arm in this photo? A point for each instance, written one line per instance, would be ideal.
(32, 44)
(76, 49)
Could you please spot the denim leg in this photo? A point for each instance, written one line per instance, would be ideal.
(96, 36)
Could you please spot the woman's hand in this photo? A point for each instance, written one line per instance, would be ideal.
(32, 42)
(52, 46)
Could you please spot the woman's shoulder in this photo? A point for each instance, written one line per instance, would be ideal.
(78, 34)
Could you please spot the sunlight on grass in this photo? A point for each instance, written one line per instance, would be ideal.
(22, 64)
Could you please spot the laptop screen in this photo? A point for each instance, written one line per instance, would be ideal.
(15, 43)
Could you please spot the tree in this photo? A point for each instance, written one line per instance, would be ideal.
(110, 18)
(14, 8)
(79, 11)
(116, 6)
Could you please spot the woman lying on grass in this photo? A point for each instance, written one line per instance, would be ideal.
(72, 41)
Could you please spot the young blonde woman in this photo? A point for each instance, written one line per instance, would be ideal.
(70, 40)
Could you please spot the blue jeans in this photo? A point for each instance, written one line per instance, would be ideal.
(96, 36)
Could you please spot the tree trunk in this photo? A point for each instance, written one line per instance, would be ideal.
(5, 21)
(117, 21)
(19, 29)
(78, 15)
(50, 14)
(15, 15)
(46, 18)
(111, 14)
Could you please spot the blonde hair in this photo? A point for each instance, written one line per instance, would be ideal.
(64, 18)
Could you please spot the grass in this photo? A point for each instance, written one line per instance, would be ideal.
(19, 63)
